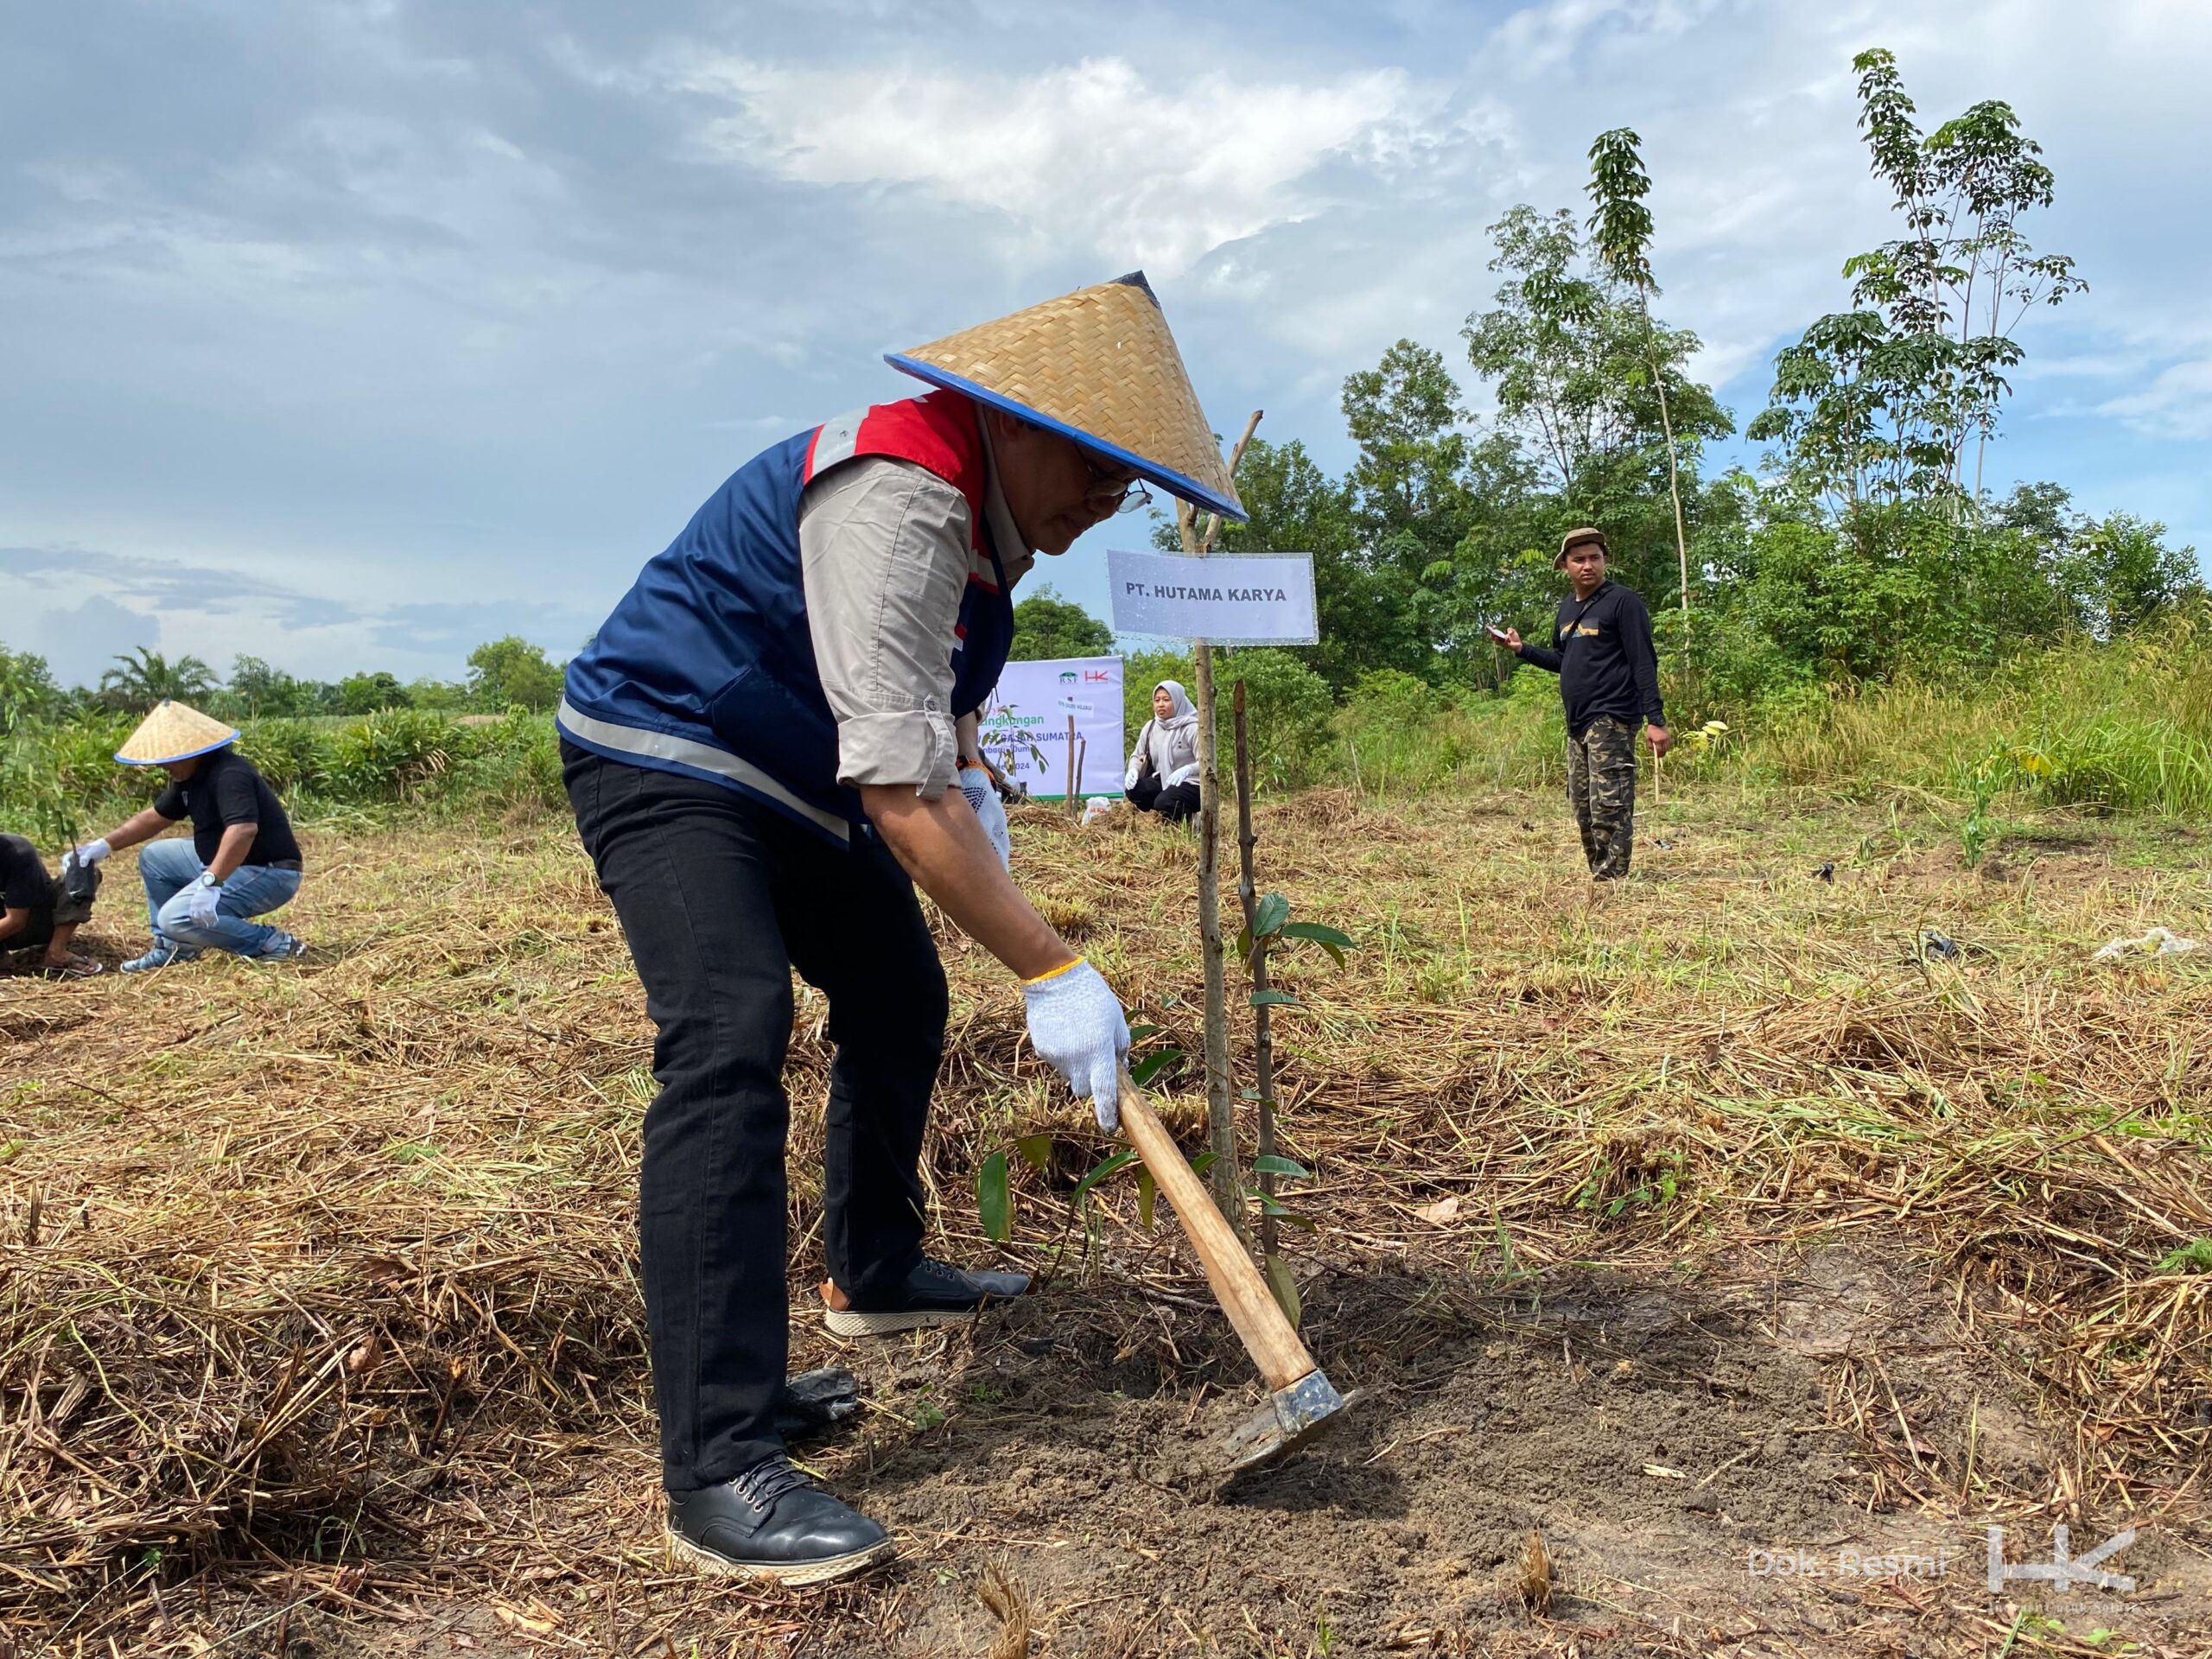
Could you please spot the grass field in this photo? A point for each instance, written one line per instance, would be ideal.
(1711, 1217)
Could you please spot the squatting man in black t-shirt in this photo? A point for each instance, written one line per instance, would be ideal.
(35, 912)
(241, 861)
(1609, 677)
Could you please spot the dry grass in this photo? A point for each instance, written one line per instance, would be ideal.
(320, 1325)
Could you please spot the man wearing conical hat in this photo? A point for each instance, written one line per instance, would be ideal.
(763, 745)
(241, 861)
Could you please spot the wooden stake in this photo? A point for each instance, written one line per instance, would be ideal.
(1221, 1123)
(1264, 1047)
(1072, 805)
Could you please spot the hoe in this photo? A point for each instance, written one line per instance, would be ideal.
(1302, 1402)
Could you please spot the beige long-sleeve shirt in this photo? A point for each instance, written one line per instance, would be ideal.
(886, 550)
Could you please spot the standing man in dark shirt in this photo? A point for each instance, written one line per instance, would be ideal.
(241, 861)
(1609, 677)
(34, 912)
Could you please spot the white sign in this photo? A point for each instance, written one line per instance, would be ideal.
(1231, 599)
(1025, 725)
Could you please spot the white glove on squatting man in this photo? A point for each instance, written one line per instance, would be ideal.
(207, 898)
(1076, 1023)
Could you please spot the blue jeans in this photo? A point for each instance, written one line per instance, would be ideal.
(169, 869)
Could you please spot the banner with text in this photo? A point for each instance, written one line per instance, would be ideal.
(1231, 599)
(1025, 725)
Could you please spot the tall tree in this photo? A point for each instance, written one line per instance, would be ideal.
(1877, 403)
(512, 673)
(28, 690)
(1408, 417)
(142, 678)
(1579, 367)
(1046, 626)
(367, 693)
(1620, 231)
(257, 688)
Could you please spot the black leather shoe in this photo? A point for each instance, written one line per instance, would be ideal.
(935, 1293)
(773, 1523)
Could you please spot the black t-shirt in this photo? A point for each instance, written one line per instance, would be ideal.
(24, 884)
(226, 790)
(1603, 654)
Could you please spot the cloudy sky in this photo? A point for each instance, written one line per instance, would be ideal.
(353, 332)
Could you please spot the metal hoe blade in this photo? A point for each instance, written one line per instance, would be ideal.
(1307, 1407)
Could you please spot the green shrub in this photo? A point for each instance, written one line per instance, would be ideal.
(1286, 709)
(58, 779)
(390, 755)
(1398, 734)
(291, 754)
(512, 762)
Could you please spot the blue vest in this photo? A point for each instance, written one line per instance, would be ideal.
(706, 668)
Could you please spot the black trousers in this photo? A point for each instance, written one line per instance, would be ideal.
(1175, 804)
(720, 899)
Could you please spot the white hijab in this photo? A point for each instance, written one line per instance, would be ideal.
(1171, 744)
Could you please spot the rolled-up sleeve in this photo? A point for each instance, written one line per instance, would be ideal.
(884, 554)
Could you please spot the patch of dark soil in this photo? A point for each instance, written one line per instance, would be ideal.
(1666, 1443)
(1690, 1448)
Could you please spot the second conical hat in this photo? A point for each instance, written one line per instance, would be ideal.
(175, 731)
(1097, 365)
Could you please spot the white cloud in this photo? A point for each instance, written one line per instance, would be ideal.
(395, 300)
(2178, 404)
(1090, 154)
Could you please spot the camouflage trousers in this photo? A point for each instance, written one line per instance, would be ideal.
(1601, 782)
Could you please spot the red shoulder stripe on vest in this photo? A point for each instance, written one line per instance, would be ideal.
(938, 430)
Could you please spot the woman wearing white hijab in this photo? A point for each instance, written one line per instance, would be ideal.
(1163, 774)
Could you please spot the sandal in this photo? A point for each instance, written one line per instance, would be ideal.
(75, 968)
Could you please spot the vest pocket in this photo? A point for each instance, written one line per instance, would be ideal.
(793, 740)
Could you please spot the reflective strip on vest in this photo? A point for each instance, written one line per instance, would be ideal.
(836, 442)
(700, 756)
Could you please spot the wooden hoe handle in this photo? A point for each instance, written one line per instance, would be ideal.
(1243, 1295)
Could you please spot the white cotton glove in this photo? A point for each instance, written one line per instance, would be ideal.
(206, 901)
(90, 854)
(990, 811)
(1076, 1023)
(1136, 771)
(1181, 775)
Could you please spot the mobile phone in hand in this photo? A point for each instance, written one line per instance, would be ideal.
(1495, 631)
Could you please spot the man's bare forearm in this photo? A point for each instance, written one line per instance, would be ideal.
(944, 849)
(139, 826)
(238, 842)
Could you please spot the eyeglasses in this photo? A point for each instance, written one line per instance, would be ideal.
(1128, 494)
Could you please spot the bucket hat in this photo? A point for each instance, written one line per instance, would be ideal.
(1574, 538)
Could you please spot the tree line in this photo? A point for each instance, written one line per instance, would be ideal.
(503, 674)
(1865, 547)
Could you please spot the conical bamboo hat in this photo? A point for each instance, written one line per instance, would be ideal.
(1097, 365)
(174, 731)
